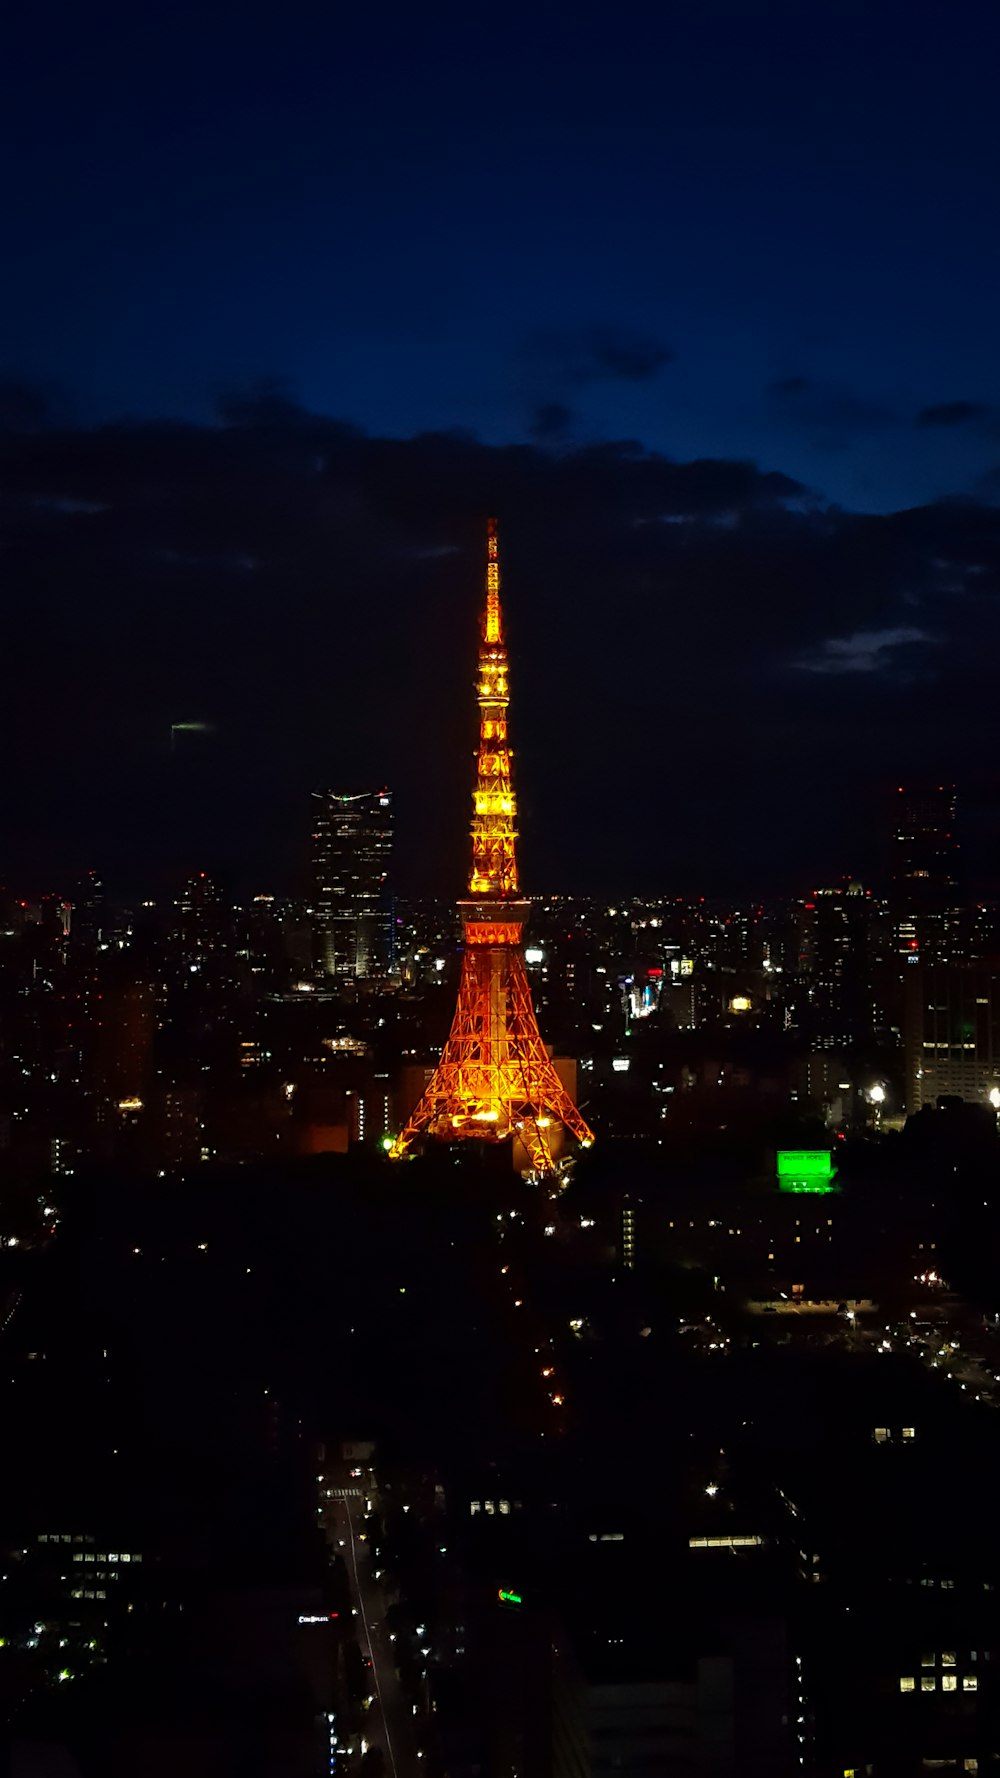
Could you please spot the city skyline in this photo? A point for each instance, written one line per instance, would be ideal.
(500, 891)
(293, 877)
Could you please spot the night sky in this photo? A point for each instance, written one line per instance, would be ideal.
(702, 301)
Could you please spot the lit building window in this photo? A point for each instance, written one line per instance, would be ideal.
(928, 1683)
(948, 1659)
(730, 1542)
(927, 1660)
(970, 1683)
(949, 1683)
(908, 1683)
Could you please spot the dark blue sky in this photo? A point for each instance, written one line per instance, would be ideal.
(701, 300)
(421, 217)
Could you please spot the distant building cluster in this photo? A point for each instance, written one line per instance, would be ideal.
(209, 1028)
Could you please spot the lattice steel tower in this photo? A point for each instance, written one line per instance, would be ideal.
(495, 1079)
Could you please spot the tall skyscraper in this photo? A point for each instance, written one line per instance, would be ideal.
(351, 850)
(88, 914)
(924, 886)
(835, 1002)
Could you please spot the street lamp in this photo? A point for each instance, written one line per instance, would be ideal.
(875, 1095)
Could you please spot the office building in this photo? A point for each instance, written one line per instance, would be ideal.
(834, 964)
(951, 1033)
(351, 912)
(924, 874)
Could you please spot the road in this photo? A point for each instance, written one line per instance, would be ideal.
(10, 1309)
(390, 1720)
(950, 1338)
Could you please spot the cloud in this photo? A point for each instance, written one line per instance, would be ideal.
(25, 406)
(557, 365)
(952, 413)
(570, 360)
(866, 651)
(833, 410)
(629, 356)
(313, 590)
(551, 421)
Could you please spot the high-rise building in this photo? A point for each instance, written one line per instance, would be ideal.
(351, 912)
(925, 847)
(203, 925)
(834, 1000)
(951, 1033)
(88, 914)
(924, 875)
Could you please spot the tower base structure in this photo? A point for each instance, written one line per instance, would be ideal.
(496, 1080)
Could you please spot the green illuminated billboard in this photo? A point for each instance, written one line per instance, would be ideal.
(806, 1170)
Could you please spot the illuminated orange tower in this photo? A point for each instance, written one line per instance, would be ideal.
(495, 1079)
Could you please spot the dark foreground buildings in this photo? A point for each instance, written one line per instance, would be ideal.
(686, 1468)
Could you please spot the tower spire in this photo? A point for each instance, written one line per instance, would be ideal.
(494, 810)
(495, 1079)
(492, 623)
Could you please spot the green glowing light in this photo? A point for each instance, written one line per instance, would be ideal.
(387, 1142)
(508, 1598)
(806, 1170)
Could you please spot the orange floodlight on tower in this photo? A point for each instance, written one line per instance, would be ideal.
(495, 1080)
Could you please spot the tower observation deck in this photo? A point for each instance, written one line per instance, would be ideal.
(496, 1080)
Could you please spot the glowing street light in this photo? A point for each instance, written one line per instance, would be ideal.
(876, 1094)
